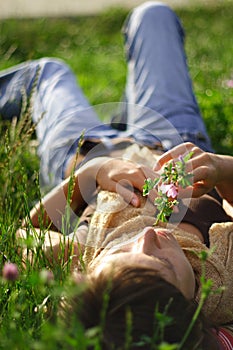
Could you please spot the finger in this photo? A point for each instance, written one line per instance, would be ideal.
(130, 182)
(128, 194)
(203, 174)
(174, 153)
(201, 188)
(123, 188)
(137, 179)
(198, 159)
(162, 160)
(195, 191)
(148, 173)
(153, 195)
(186, 192)
(200, 184)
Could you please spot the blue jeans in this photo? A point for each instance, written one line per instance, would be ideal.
(159, 105)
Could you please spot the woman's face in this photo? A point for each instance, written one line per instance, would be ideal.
(157, 249)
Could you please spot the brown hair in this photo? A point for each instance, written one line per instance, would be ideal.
(138, 299)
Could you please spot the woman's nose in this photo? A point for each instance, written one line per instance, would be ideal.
(148, 242)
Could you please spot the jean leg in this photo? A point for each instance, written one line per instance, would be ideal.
(60, 110)
(158, 82)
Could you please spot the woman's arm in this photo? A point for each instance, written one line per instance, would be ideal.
(52, 207)
(110, 174)
(209, 170)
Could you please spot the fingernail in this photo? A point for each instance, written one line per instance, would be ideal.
(134, 202)
(156, 166)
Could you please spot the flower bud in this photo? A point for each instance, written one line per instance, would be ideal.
(10, 272)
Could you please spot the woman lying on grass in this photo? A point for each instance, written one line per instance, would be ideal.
(145, 270)
(143, 282)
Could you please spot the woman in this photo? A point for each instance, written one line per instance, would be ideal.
(161, 113)
(143, 267)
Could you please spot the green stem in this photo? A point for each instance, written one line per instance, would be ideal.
(193, 321)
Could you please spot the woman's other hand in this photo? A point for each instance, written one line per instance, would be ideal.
(209, 170)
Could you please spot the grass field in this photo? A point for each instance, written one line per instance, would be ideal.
(93, 47)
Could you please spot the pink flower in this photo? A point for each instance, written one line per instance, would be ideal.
(173, 191)
(170, 190)
(163, 188)
(10, 271)
(229, 83)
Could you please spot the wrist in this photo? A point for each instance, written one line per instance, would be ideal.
(86, 177)
(224, 182)
(217, 163)
(224, 168)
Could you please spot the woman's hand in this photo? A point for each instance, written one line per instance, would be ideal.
(122, 176)
(209, 170)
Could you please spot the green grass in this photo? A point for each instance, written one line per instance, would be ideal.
(93, 47)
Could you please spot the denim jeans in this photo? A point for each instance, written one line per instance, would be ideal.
(159, 105)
